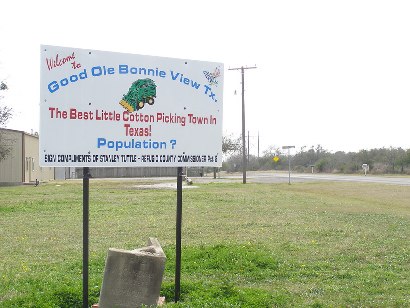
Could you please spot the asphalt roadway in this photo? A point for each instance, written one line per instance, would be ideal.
(283, 177)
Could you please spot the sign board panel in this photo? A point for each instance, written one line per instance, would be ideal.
(107, 109)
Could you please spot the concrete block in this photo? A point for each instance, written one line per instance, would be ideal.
(133, 278)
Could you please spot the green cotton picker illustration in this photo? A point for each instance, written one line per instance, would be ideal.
(141, 92)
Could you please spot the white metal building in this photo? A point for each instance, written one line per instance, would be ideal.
(22, 163)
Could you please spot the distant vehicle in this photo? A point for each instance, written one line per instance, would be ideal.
(141, 92)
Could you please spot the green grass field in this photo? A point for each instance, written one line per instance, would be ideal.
(254, 245)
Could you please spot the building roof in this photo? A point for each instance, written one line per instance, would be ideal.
(35, 134)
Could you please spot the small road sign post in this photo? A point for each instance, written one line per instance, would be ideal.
(288, 147)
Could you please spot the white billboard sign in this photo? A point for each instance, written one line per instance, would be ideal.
(107, 109)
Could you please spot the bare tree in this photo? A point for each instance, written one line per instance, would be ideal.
(6, 113)
(231, 145)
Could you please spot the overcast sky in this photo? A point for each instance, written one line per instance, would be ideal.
(334, 73)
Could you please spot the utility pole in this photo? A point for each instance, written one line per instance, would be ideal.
(243, 119)
(258, 144)
(248, 147)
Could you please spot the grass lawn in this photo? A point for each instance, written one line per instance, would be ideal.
(256, 245)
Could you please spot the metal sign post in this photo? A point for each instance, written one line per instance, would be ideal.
(86, 197)
(288, 147)
(178, 235)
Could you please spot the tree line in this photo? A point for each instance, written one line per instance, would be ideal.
(317, 159)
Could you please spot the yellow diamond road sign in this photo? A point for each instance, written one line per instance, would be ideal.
(275, 159)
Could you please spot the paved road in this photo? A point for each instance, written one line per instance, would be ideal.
(283, 177)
